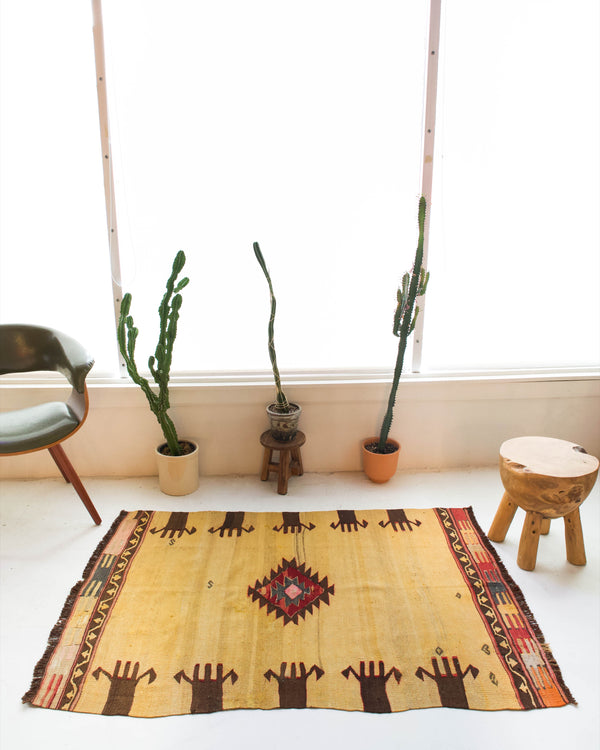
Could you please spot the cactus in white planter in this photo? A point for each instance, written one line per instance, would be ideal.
(160, 362)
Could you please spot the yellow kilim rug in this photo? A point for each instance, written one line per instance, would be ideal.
(375, 610)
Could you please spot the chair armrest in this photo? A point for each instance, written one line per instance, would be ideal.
(72, 360)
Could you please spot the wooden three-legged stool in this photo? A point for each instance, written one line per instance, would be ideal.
(290, 460)
(549, 479)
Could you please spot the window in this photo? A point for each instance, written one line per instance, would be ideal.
(300, 127)
(296, 126)
(514, 244)
(54, 265)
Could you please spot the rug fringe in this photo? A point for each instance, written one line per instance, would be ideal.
(57, 630)
(520, 597)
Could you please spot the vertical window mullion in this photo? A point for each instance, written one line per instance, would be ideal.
(107, 167)
(427, 163)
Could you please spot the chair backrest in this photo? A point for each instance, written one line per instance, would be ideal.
(28, 348)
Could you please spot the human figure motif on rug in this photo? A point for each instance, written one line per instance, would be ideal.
(291, 523)
(292, 687)
(207, 691)
(398, 516)
(176, 525)
(234, 522)
(122, 687)
(347, 521)
(373, 685)
(451, 687)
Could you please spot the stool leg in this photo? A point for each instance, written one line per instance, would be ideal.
(297, 468)
(503, 518)
(530, 538)
(284, 471)
(545, 526)
(574, 538)
(267, 456)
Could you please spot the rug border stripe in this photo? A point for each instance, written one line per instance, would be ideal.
(66, 704)
(498, 634)
(57, 631)
(522, 602)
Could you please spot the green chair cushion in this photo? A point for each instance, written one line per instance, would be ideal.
(35, 427)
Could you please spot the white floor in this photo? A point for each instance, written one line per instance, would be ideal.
(47, 538)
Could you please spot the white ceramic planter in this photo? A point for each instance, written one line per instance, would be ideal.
(178, 475)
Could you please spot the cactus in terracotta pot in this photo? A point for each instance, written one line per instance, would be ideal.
(160, 363)
(414, 284)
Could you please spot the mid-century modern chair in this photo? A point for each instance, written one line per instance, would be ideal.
(27, 348)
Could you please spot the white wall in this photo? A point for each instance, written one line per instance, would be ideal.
(441, 424)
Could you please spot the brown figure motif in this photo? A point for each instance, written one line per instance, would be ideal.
(373, 686)
(122, 687)
(291, 522)
(450, 686)
(234, 521)
(176, 525)
(292, 689)
(398, 516)
(207, 693)
(347, 521)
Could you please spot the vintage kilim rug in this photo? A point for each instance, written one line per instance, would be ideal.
(376, 610)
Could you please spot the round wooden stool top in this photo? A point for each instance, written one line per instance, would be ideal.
(546, 475)
(269, 441)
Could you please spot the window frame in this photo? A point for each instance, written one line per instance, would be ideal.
(356, 375)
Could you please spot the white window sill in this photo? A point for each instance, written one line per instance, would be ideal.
(324, 377)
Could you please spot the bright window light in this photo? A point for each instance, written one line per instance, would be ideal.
(297, 126)
(54, 262)
(514, 246)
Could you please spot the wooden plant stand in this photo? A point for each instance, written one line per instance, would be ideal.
(290, 460)
(549, 479)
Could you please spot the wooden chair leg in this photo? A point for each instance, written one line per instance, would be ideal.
(530, 538)
(60, 465)
(71, 476)
(574, 539)
(545, 526)
(503, 519)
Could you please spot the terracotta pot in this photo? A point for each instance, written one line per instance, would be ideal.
(284, 426)
(380, 467)
(178, 475)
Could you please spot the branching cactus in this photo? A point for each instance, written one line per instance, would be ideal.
(414, 285)
(160, 363)
(281, 399)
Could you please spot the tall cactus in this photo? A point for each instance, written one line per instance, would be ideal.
(414, 285)
(160, 363)
(281, 399)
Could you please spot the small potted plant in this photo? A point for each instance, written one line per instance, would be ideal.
(284, 415)
(380, 454)
(177, 459)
